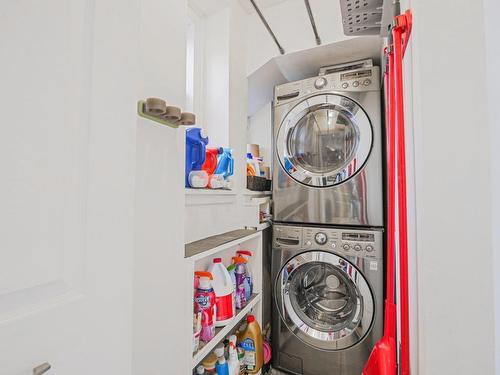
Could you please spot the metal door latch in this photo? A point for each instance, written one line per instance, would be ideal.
(42, 369)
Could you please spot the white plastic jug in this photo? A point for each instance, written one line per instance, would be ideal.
(224, 293)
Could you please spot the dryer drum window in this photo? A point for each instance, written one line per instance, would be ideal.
(324, 140)
(324, 300)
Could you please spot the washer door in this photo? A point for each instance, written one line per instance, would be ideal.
(324, 300)
(324, 140)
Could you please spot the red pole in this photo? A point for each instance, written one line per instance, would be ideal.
(402, 204)
(390, 321)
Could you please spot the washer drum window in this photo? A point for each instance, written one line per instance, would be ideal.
(324, 300)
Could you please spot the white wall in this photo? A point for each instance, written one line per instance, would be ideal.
(259, 131)
(216, 77)
(492, 39)
(453, 189)
(159, 326)
(290, 23)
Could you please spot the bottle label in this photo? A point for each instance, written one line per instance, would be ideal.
(250, 358)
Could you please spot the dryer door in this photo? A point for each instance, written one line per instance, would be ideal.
(324, 140)
(324, 300)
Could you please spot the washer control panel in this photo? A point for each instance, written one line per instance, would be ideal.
(350, 242)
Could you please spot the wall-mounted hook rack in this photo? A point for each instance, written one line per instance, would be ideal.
(141, 112)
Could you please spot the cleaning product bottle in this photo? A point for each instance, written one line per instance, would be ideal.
(211, 159)
(223, 288)
(233, 362)
(196, 142)
(241, 281)
(225, 164)
(247, 255)
(254, 165)
(221, 367)
(251, 341)
(204, 302)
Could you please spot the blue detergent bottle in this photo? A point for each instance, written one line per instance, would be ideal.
(196, 143)
(225, 164)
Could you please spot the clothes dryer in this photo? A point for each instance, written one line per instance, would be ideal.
(328, 150)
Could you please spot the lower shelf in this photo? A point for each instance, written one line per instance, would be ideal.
(222, 332)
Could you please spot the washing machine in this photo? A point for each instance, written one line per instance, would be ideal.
(327, 298)
(327, 166)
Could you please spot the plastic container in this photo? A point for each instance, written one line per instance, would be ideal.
(251, 341)
(224, 290)
(254, 164)
(241, 282)
(196, 331)
(211, 159)
(196, 141)
(225, 165)
(204, 303)
(247, 255)
(233, 362)
(216, 181)
(200, 370)
(209, 363)
(198, 179)
(221, 367)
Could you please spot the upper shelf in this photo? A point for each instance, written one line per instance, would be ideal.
(211, 245)
(306, 63)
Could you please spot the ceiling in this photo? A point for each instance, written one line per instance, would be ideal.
(262, 4)
(208, 7)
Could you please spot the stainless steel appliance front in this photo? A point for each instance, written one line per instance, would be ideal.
(327, 298)
(328, 151)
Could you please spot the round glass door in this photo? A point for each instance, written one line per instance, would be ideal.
(324, 300)
(324, 140)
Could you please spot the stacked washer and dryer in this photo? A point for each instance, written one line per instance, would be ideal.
(328, 253)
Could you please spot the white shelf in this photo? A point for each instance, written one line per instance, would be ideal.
(224, 246)
(222, 332)
(191, 191)
(256, 193)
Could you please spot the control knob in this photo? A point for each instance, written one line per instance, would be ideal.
(357, 247)
(346, 246)
(369, 248)
(321, 238)
(320, 83)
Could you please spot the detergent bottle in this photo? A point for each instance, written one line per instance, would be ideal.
(221, 367)
(225, 165)
(224, 290)
(211, 157)
(204, 303)
(241, 282)
(240, 278)
(247, 255)
(196, 142)
(251, 341)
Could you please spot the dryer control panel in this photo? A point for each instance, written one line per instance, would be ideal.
(360, 80)
(350, 242)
